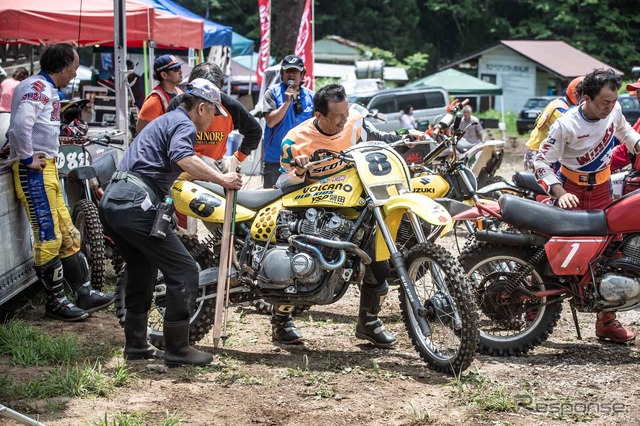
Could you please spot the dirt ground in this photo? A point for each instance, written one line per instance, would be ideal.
(335, 379)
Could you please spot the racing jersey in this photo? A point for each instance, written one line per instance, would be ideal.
(156, 103)
(545, 120)
(307, 138)
(582, 145)
(35, 119)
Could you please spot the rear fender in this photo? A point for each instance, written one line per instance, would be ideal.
(423, 207)
(482, 209)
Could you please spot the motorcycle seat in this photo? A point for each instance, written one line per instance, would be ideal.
(527, 180)
(544, 219)
(249, 198)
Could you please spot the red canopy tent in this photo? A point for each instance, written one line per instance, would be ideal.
(54, 21)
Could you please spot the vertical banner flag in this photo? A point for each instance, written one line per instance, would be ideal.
(304, 44)
(264, 7)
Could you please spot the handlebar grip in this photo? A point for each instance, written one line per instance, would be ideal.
(117, 141)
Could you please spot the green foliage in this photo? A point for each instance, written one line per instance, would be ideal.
(28, 346)
(77, 381)
(444, 30)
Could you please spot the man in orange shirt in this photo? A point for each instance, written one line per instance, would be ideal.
(168, 72)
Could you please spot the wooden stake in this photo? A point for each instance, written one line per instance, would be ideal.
(224, 268)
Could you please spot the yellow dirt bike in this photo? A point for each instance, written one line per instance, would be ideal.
(305, 246)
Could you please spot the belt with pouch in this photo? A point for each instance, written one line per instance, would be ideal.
(587, 179)
(138, 181)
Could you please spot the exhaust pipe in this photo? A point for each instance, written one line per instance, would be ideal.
(509, 238)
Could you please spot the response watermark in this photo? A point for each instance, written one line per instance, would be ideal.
(571, 407)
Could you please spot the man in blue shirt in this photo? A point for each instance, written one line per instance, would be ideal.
(286, 105)
(162, 151)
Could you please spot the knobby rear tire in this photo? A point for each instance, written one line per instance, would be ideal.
(481, 259)
(86, 220)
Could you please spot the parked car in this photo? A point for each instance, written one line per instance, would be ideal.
(532, 108)
(630, 108)
(364, 85)
(427, 102)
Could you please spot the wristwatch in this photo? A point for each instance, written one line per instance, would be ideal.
(300, 176)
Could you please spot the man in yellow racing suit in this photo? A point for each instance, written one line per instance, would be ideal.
(335, 127)
(549, 115)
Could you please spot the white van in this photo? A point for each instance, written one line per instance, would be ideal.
(427, 102)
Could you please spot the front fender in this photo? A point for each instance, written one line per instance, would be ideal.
(397, 206)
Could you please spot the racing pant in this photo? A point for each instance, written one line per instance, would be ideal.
(41, 195)
(590, 197)
(129, 225)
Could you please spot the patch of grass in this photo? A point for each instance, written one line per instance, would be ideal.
(378, 372)
(77, 381)
(509, 117)
(326, 392)
(478, 389)
(123, 419)
(28, 346)
(497, 400)
(419, 416)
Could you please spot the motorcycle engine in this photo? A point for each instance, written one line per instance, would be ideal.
(284, 266)
(620, 283)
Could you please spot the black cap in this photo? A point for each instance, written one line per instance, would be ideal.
(292, 61)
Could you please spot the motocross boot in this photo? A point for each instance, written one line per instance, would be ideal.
(283, 329)
(608, 327)
(369, 326)
(136, 345)
(177, 350)
(79, 279)
(58, 306)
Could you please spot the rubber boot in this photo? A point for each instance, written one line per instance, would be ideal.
(608, 327)
(77, 274)
(177, 350)
(136, 345)
(283, 329)
(369, 326)
(58, 306)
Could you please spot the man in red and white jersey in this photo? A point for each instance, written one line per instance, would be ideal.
(582, 140)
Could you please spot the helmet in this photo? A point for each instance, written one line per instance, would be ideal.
(572, 90)
(77, 129)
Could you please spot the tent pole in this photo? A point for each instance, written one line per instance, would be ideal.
(120, 66)
(145, 61)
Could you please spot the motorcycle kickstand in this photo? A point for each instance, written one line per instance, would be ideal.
(574, 313)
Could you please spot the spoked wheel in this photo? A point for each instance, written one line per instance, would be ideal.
(201, 320)
(445, 329)
(86, 220)
(510, 323)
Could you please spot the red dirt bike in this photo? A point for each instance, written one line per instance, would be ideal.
(520, 275)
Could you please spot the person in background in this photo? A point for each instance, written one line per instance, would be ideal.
(471, 123)
(407, 120)
(33, 135)
(168, 72)
(582, 141)
(212, 143)
(128, 209)
(549, 115)
(7, 87)
(287, 104)
(621, 155)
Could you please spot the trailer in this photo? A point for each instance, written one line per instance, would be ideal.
(16, 253)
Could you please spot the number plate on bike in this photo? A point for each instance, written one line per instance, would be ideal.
(72, 156)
